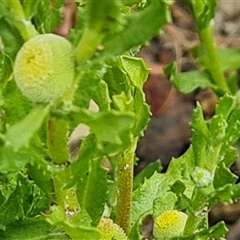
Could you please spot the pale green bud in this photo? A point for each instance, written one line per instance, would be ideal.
(202, 177)
(110, 230)
(44, 67)
(169, 224)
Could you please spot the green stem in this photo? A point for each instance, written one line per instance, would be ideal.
(57, 140)
(124, 187)
(87, 45)
(207, 38)
(24, 26)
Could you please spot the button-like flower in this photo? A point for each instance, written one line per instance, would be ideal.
(169, 224)
(110, 230)
(44, 67)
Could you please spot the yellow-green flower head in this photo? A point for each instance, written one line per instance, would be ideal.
(110, 230)
(44, 67)
(169, 224)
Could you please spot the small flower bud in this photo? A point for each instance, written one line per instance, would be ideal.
(110, 230)
(169, 224)
(202, 177)
(44, 67)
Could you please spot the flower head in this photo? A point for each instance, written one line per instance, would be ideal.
(110, 230)
(169, 224)
(44, 67)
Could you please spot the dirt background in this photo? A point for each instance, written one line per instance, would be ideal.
(168, 132)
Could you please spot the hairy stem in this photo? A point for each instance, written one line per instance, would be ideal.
(87, 45)
(208, 42)
(124, 187)
(57, 140)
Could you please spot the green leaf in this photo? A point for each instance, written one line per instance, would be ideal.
(31, 202)
(225, 106)
(147, 172)
(215, 232)
(203, 11)
(136, 70)
(164, 203)
(12, 95)
(229, 58)
(151, 189)
(12, 161)
(33, 228)
(107, 126)
(89, 85)
(75, 231)
(102, 16)
(48, 15)
(200, 136)
(6, 68)
(131, 35)
(189, 81)
(20, 134)
(90, 179)
(10, 37)
(42, 173)
(223, 176)
(30, 8)
(92, 184)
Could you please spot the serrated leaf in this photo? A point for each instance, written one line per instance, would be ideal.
(92, 184)
(108, 126)
(48, 15)
(233, 127)
(90, 179)
(147, 172)
(12, 95)
(42, 174)
(164, 203)
(75, 231)
(28, 198)
(223, 176)
(30, 8)
(89, 85)
(20, 134)
(124, 40)
(225, 106)
(215, 232)
(135, 69)
(147, 192)
(11, 161)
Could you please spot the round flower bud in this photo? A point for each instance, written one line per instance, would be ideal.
(202, 177)
(169, 224)
(110, 230)
(44, 67)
